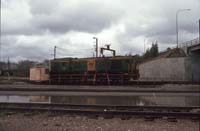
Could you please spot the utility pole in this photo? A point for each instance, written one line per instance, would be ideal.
(96, 46)
(8, 64)
(54, 54)
(0, 40)
(144, 46)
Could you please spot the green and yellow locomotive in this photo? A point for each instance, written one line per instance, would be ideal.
(101, 70)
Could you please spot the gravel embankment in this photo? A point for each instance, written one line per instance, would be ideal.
(44, 122)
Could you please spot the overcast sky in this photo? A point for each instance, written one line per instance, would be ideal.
(31, 28)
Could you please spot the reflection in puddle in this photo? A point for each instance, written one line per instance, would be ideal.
(107, 100)
(40, 99)
(128, 101)
(25, 99)
(16, 99)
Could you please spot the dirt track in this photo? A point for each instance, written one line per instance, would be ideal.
(43, 122)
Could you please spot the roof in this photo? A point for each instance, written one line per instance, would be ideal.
(70, 58)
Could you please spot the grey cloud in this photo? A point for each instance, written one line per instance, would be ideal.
(18, 29)
(7, 41)
(90, 18)
(25, 52)
(15, 18)
(165, 32)
(159, 20)
(50, 16)
(17, 49)
(148, 19)
(43, 6)
(38, 48)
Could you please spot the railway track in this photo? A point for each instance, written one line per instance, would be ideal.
(118, 83)
(106, 110)
(32, 89)
(12, 80)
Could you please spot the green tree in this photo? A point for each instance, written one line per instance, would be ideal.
(152, 52)
(23, 67)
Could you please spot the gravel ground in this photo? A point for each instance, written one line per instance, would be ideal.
(44, 122)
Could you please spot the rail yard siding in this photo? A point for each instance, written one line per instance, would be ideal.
(174, 69)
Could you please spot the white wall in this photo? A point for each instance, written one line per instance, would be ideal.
(166, 69)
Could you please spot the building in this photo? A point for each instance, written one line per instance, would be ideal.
(172, 65)
(39, 74)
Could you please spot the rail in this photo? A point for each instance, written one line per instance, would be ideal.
(96, 110)
(125, 90)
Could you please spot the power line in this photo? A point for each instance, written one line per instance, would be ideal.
(64, 49)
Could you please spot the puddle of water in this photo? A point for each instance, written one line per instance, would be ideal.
(25, 99)
(39, 99)
(99, 100)
(15, 99)
(173, 101)
(111, 100)
(128, 101)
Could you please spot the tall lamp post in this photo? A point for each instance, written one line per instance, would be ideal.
(199, 30)
(178, 11)
(96, 46)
